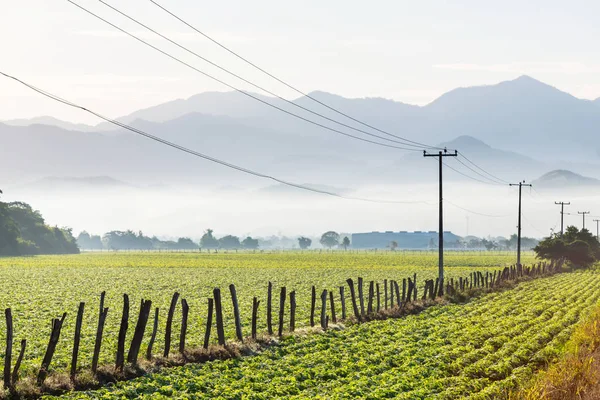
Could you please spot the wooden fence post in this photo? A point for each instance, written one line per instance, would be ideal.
(54, 337)
(219, 316)
(153, 336)
(378, 298)
(323, 309)
(397, 289)
(403, 290)
(436, 287)
(415, 286)
(410, 288)
(15, 374)
(140, 328)
(236, 313)
(255, 304)
(76, 340)
(281, 310)
(313, 303)
(9, 344)
(371, 297)
(270, 308)
(292, 311)
(343, 301)
(392, 294)
(353, 298)
(385, 294)
(361, 298)
(185, 309)
(101, 319)
(332, 304)
(208, 323)
(169, 326)
(122, 334)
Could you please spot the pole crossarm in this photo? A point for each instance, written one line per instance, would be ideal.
(562, 214)
(441, 154)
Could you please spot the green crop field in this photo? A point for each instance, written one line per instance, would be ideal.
(43, 287)
(474, 351)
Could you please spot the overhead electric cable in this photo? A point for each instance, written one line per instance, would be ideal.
(474, 171)
(465, 175)
(404, 143)
(201, 155)
(475, 212)
(237, 89)
(483, 170)
(287, 84)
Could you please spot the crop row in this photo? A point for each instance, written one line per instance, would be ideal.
(476, 350)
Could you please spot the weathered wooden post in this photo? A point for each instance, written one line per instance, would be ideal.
(122, 334)
(138, 334)
(397, 289)
(76, 341)
(15, 374)
(169, 326)
(371, 297)
(292, 311)
(343, 301)
(323, 309)
(392, 294)
(281, 310)
(185, 309)
(378, 298)
(208, 323)
(332, 304)
(313, 304)
(153, 336)
(99, 332)
(385, 294)
(270, 308)
(236, 313)
(9, 344)
(353, 298)
(361, 298)
(54, 337)
(255, 304)
(219, 316)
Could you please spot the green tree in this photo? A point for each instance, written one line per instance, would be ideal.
(346, 243)
(208, 241)
(393, 245)
(330, 239)
(579, 247)
(304, 242)
(229, 242)
(250, 244)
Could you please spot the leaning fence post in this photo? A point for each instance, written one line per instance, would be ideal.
(371, 296)
(292, 311)
(343, 301)
(236, 313)
(378, 298)
(169, 326)
(54, 337)
(140, 328)
(76, 340)
(313, 302)
(281, 310)
(99, 332)
(353, 297)
(392, 294)
(269, 308)
(397, 289)
(255, 304)
(9, 344)
(185, 309)
(153, 336)
(219, 316)
(385, 294)
(122, 334)
(415, 286)
(332, 304)
(403, 290)
(323, 309)
(361, 297)
(15, 374)
(208, 323)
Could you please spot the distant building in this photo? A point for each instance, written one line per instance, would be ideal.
(416, 240)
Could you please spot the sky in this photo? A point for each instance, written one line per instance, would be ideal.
(409, 51)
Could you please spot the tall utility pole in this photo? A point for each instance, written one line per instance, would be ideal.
(520, 185)
(441, 155)
(562, 214)
(597, 229)
(583, 214)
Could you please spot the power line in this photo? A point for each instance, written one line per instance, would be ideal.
(475, 212)
(465, 175)
(284, 82)
(252, 83)
(237, 89)
(484, 171)
(483, 176)
(201, 155)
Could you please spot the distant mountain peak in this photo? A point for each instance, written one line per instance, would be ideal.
(466, 141)
(564, 178)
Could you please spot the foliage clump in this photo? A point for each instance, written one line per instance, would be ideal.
(579, 247)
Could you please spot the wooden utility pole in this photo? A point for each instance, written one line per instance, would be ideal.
(562, 214)
(597, 229)
(441, 154)
(520, 185)
(583, 213)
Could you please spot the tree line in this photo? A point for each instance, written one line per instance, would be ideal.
(23, 231)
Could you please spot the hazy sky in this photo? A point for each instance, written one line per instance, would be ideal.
(410, 51)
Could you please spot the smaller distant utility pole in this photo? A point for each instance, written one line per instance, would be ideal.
(562, 214)
(520, 185)
(583, 213)
(597, 229)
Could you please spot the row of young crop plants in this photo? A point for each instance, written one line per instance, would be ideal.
(363, 308)
(477, 350)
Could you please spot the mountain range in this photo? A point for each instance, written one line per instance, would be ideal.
(516, 129)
